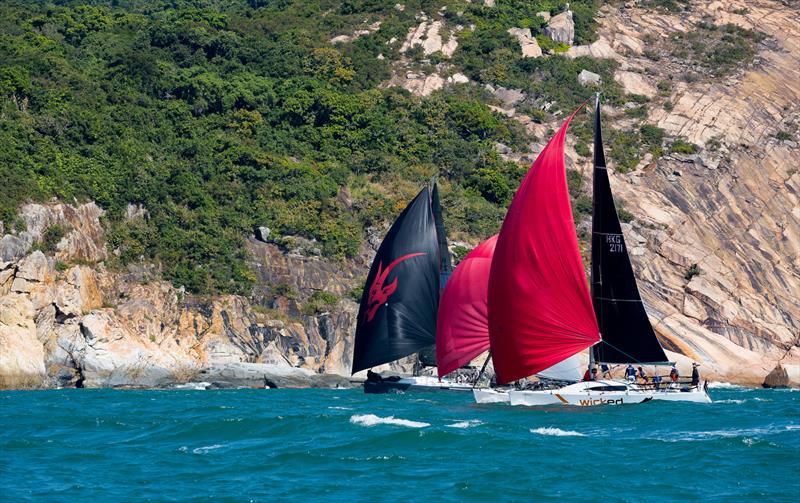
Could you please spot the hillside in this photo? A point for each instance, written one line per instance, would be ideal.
(174, 131)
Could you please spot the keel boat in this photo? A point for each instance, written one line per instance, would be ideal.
(541, 311)
(397, 313)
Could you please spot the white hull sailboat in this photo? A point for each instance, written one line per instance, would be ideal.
(532, 305)
(605, 392)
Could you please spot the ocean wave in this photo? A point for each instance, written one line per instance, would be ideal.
(557, 432)
(466, 424)
(206, 448)
(730, 401)
(372, 420)
(724, 385)
(193, 385)
(334, 407)
(699, 436)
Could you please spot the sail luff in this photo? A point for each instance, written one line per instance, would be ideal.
(445, 263)
(624, 326)
(540, 309)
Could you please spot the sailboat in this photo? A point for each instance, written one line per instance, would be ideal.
(542, 314)
(626, 333)
(398, 309)
(463, 325)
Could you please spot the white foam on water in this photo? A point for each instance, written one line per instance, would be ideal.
(724, 385)
(729, 401)
(206, 448)
(340, 408)
(699, 436)
(372, 420)
(466, 424)
(194, 385)
(557, 432)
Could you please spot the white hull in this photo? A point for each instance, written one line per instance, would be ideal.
(490, 395)
(414, 384)
(605, 392)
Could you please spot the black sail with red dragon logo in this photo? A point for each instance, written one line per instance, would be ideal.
(397, 316)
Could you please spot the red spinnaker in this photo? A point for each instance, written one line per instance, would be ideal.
(540, 311)
(462, 326)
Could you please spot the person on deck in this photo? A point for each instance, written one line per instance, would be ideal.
(606, 371)
(641, 376)
(587, 376)
(630, 373)
(674, 375)
(594, 373)
(657, 381)
(695, 374)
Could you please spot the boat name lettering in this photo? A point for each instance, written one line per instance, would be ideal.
(600, 401)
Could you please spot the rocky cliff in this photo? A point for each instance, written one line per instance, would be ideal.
(715, 239)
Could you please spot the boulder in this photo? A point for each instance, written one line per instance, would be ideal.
(635, 83)
(509, 97)
(422, 85)
(544, 15)
(778, 378)
(528, 44)
(587, 78)
(428, 36)
(561, 28)
(457, 78)
(262, 233)
(14, 247)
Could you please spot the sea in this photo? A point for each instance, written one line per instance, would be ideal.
(342, 445)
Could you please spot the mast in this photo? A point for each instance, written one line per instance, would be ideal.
(627, 335)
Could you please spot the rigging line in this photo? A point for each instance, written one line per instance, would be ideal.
(618, 300)
(483, 369)
(624, 353)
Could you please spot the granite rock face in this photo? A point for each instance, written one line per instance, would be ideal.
(561, 28)
(734, 209)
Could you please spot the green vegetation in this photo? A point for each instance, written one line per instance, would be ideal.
(783, 135)
(460, 252)
(691, 272)
(220, 116)
(51, 237)
(319, 302)
(717, 49)
(682, 146)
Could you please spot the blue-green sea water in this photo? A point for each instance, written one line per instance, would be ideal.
(342, 445)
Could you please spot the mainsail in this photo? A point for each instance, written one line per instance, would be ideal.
(397, 315)
(540, 311)
(462, 328)
(626, 331)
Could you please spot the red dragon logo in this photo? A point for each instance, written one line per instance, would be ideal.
(378, 292)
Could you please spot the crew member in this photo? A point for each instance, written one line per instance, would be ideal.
(630, 373)
(695, 374)
(674, 375)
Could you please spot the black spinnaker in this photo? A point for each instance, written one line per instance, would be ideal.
(627, 334)
(397, 315)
